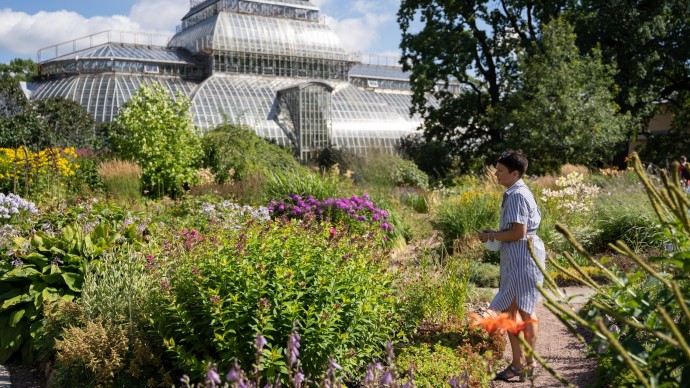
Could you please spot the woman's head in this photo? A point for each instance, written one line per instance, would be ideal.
(510, 167)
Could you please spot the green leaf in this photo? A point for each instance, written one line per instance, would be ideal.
(16, 316)
(74, 281)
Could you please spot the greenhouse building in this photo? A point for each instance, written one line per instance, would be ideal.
(273, 65)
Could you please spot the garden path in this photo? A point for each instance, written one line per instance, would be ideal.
(562, 351)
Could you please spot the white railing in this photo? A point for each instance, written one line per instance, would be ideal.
(99, 38)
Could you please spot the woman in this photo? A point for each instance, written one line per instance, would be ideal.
(517, 293)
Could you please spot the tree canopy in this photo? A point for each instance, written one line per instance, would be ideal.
(487, 47)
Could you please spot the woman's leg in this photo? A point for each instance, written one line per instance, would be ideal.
(515, 341)
(530, 332)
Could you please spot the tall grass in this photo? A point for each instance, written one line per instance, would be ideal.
(121, 178)
(303, 182)
(455, 216)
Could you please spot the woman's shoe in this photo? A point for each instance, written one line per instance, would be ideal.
(509, 373)
(528, 372)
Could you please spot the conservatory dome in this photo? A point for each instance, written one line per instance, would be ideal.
(273, 65)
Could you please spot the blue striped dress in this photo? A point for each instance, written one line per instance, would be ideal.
(519, 273)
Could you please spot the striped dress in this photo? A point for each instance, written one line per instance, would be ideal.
(519, 273)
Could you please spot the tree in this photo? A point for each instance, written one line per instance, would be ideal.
(156, 131)
(564, 104)
(19, 123)
(19, 70)
(473, 43)
(67, 123)
(648, 43)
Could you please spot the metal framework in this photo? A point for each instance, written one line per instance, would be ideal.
(271, 64)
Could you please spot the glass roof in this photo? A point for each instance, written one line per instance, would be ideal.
(102, 95)
(379, 72)
(262, 35)
(362, 119)
(120, 51)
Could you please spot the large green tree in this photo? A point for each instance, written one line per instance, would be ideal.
(67, 123)
(20, 125)
(474, 43)
(156, 131)
(646, 40)
(564, 104)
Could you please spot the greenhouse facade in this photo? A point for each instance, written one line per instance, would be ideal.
(273, 65)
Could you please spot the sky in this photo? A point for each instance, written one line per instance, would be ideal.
(29, 25)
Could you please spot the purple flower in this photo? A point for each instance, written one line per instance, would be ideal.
(212, 377)
(293, 349)
(369, 376)
(299, 379)
(260, 342)
(386, 379)
(334, 365)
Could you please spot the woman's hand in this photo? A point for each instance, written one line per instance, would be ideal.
(485, 235)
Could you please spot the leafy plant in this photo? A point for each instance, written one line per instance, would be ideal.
(235, 152)
(157, 133)
(302, 182)
(649, 306)
(121, 178)
(224, 288)
(44, 268)
(456, 215)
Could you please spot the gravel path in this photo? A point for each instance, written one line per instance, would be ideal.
(562, 351)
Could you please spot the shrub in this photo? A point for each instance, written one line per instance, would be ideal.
(436, 293)
(235, 152)
(484, 274)
(121, 178)
(47, 267)
(456, 215)
(381, 169)
(433, 365)
(623, 213)
(157, 133)
(224, 288)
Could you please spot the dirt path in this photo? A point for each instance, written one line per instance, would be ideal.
(562, 351)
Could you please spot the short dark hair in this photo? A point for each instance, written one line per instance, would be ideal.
(514, 160)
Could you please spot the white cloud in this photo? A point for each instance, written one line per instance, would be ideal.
(25, 33)
(361, 30)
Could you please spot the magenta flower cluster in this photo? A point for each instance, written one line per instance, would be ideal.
(358, 208)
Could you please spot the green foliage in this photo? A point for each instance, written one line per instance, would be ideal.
(381, 169)
(67, 123)
(623, 212)
(19, 69)
(457, 214)
(281, 184)
(436, 292)
(19, 123)
(435, 365)
(642, 317)
(432, 157)
(156, 131)
(224, 288)
(235, 152)
(484, 274)
(48, 268)
(564, 104)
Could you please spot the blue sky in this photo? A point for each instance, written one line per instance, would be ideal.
(28, 25)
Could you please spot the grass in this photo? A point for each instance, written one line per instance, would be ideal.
(121, 178)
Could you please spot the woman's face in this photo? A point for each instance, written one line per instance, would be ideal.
(505, 177)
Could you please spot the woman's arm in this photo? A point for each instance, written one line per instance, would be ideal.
(516, 232)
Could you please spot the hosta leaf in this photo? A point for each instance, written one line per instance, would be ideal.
(11, 293)
(50, 294)
(16, 316)
(52, 278)
(24, 271)
(17, 299)
(73, 280)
